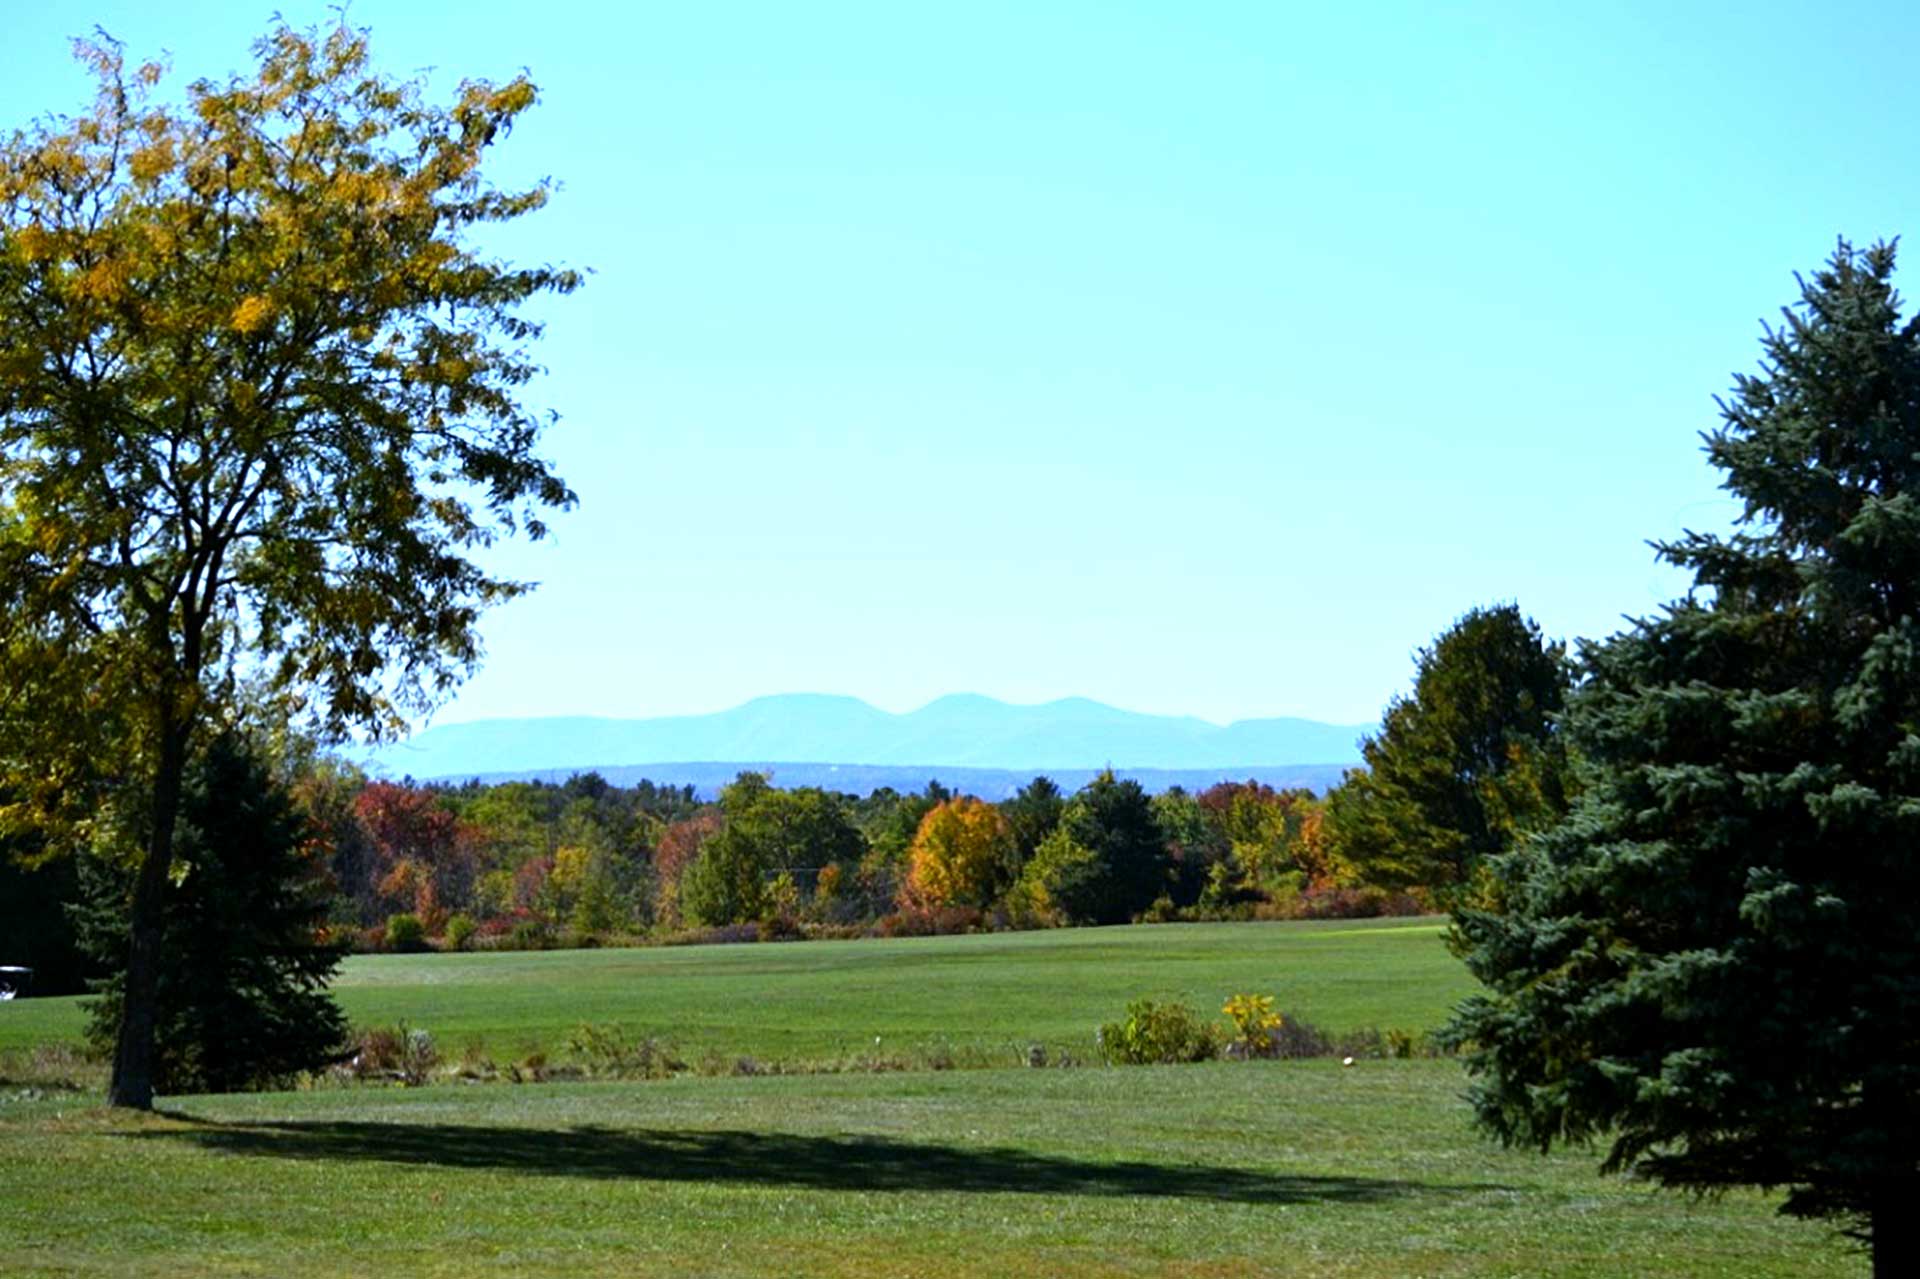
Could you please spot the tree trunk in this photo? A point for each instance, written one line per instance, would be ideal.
(132, 1084)
(1895, 1226)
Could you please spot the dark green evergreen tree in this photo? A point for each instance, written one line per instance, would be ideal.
(243, 999)
(1115, 821)
(1031, 815)
(1715, 957)
(1465, 764)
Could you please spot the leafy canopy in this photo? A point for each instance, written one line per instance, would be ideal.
(260, 389)
(959, 855)
(768, 831)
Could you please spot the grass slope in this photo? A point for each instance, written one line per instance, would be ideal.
(1296, 1168)
(989, 995)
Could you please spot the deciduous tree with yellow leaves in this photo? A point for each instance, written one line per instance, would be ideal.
(261, 397)
(957, 855)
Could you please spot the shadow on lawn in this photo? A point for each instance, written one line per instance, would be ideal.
(775, 1159)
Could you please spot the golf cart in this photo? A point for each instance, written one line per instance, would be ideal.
(14, 982)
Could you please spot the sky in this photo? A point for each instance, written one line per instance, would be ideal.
(1197, 359)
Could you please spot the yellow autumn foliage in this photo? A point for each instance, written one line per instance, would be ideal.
(957, 854)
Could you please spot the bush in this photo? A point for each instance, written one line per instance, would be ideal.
(611, 1052)
(724, 935)
(1158, 1034)
(782, 926)
(406, 934)
(529, 934)
(1163, 911)
(460, 931)
(399, 1053)
(939, 921)
(1294, 1038)
(1359, 903)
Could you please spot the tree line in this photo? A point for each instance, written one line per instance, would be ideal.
(1460, 769)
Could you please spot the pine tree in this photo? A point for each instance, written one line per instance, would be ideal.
(1715, 957)
(242, 1002)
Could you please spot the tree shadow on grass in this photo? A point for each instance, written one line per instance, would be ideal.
(783, 1160)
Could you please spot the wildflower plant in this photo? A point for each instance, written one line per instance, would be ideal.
(1254, 1023)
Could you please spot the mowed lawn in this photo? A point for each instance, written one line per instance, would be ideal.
(985, 997)
(1225, 1169)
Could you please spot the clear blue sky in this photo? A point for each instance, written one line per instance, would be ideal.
(1196, 358)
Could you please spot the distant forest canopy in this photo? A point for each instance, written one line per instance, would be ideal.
(1458, 771)
(541, 863)
(523, 865)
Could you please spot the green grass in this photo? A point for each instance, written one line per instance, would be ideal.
(1226, 1169)
(1297, 1168)
(988, 996)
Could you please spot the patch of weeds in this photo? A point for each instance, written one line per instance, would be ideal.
(53, 1068)
(723, 1065)
(611, 1052)
(400, 1054)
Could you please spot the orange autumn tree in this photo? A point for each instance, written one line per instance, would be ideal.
(957, 856)
(424, 859)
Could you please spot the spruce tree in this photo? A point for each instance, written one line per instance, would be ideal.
(1714, 959)
(243, 1001)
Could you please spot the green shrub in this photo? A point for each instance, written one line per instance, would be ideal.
(611, 1052)
(405, 933)
(460, 931)
(529, 934)
(1163, 911)
(1156, 1034)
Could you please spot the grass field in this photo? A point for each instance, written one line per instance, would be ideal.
(1224, 1169)
(985, 996)
(1295, 1168)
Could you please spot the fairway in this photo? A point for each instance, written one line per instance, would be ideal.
(1294, 1168)
(1297, 1168)
(984, 997)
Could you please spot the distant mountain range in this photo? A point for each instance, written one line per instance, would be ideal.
(845, 735)
(707, 777)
